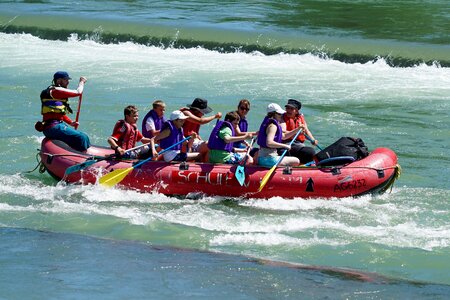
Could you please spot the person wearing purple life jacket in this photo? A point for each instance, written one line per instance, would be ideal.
(172, 133)
(154, 119)
(242, 110)
(270, 137)
(222, 138)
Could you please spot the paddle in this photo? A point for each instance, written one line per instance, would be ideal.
(78, 111)
(269, 174)
(116, 176)
(94, 160)
(312, 141)
(240, 170)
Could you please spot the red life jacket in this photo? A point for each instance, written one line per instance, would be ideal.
(129, 137)
(292, 123)
(188, 126)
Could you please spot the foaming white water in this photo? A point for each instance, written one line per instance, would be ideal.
(280, 204)
(270, 239)
(390, 220)
(129, 65)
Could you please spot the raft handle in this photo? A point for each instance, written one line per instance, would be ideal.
(287, 170)
(49, 159)
(184, 166)
(336, 171)
(380, 173)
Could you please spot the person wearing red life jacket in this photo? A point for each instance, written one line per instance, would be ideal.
(196, 117)
(54, 109)
(294, 119)
(126, 134)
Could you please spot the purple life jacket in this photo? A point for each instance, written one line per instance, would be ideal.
(156, 119)
(215, 142)
(262, 135)
(243, 126)
(174, 137)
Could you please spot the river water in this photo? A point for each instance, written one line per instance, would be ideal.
(375, 71)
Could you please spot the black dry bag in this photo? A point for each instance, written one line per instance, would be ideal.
(344, 147)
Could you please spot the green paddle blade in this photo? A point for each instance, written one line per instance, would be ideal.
(79, 167)
(266, 178)
(240, 174)
(114, 177)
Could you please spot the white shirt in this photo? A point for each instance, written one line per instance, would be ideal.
(170, 155)
(150, 124)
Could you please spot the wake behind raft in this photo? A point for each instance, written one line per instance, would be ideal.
(373, 174)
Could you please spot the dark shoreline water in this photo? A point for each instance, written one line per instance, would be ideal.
(63, 266)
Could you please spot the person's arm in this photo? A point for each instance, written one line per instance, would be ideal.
(145, 140)
(271, 131)
(289, 134)
(239, 132)
(307, 132)
(150, 126)
(68, 120)
(62, 93)
(188, 143)
(201, 120)
(231, 139)
(114, 138)
(112, 141)
(152, 147)
(162, 135)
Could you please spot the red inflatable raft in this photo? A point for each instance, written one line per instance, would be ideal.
(371, 175)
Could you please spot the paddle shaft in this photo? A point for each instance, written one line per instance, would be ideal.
(78, 111)
(114, 155)
(116, 176)
(161, 152)
(94, 160)
(312, 141)
(269, 174)
(286, 150)
(244, 159)
(240, 169)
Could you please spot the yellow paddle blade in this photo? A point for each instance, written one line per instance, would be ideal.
(266, 178)
(114, 177)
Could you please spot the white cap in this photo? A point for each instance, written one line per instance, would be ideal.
(176, 114)
(273, 107)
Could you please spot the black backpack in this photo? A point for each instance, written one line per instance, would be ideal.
(347, 147)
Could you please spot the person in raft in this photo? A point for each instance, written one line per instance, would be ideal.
(125, 136)
(196, 117)
(294, 119)
(242, 110)
(154, 119)
(55, 106)
(222, 138)
(171, 133)
(270, 138)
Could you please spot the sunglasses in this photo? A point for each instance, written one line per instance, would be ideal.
(244, 108)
